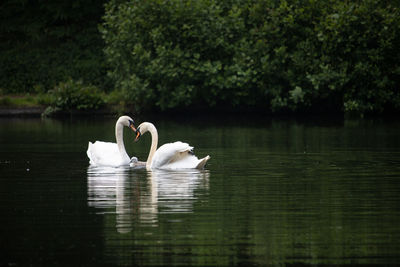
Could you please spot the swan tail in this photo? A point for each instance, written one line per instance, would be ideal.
(202, 162)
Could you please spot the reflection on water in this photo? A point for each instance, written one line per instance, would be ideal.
(142, 195)
(276, 193)
(175, 189)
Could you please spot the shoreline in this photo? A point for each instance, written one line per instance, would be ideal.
(36, 112)
(21, 111)
(239, 114)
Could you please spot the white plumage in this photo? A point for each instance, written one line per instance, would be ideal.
(105, 154)
(177, 155)
(111, 154)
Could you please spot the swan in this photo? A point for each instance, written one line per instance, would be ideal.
(175, 155)
(113, 154)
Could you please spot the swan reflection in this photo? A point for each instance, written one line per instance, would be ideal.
(140, 196)
(176, 189)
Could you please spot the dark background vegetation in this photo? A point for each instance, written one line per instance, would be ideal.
(274, 56)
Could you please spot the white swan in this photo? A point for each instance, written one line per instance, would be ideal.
(176, 155)
(112, 154)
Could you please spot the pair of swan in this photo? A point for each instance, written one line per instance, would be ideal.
(175, 155)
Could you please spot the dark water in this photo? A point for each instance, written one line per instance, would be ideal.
(275, 192)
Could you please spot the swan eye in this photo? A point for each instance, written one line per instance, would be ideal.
(131, 122)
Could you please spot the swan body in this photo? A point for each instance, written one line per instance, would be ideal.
(177, 155)
(112, 154)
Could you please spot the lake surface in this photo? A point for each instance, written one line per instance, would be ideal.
(275, 193)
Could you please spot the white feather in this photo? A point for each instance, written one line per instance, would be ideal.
(177, 155)
(174, 156)
(110, 154)
(104, 154)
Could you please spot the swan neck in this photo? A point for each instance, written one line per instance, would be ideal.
(119, 136)
(154, 142)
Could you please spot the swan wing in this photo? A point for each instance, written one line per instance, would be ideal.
(103, 154)
(169, 152)
(177, 155)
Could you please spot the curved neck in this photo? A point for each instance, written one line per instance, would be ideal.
(119, 136)
(149, 127)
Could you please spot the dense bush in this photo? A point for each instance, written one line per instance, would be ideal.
(74, 95)
(291, 55)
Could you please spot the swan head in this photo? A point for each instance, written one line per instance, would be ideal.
(132, 125)
(128, 122)
(145, 127)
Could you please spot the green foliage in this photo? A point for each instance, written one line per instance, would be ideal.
(175, 54)
(276, 55)
(361, 47)
(279, 56)
(24, 101)
(45, 42)
(74, 95)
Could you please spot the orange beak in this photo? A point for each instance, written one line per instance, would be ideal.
(138, 134)
(132, 127)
